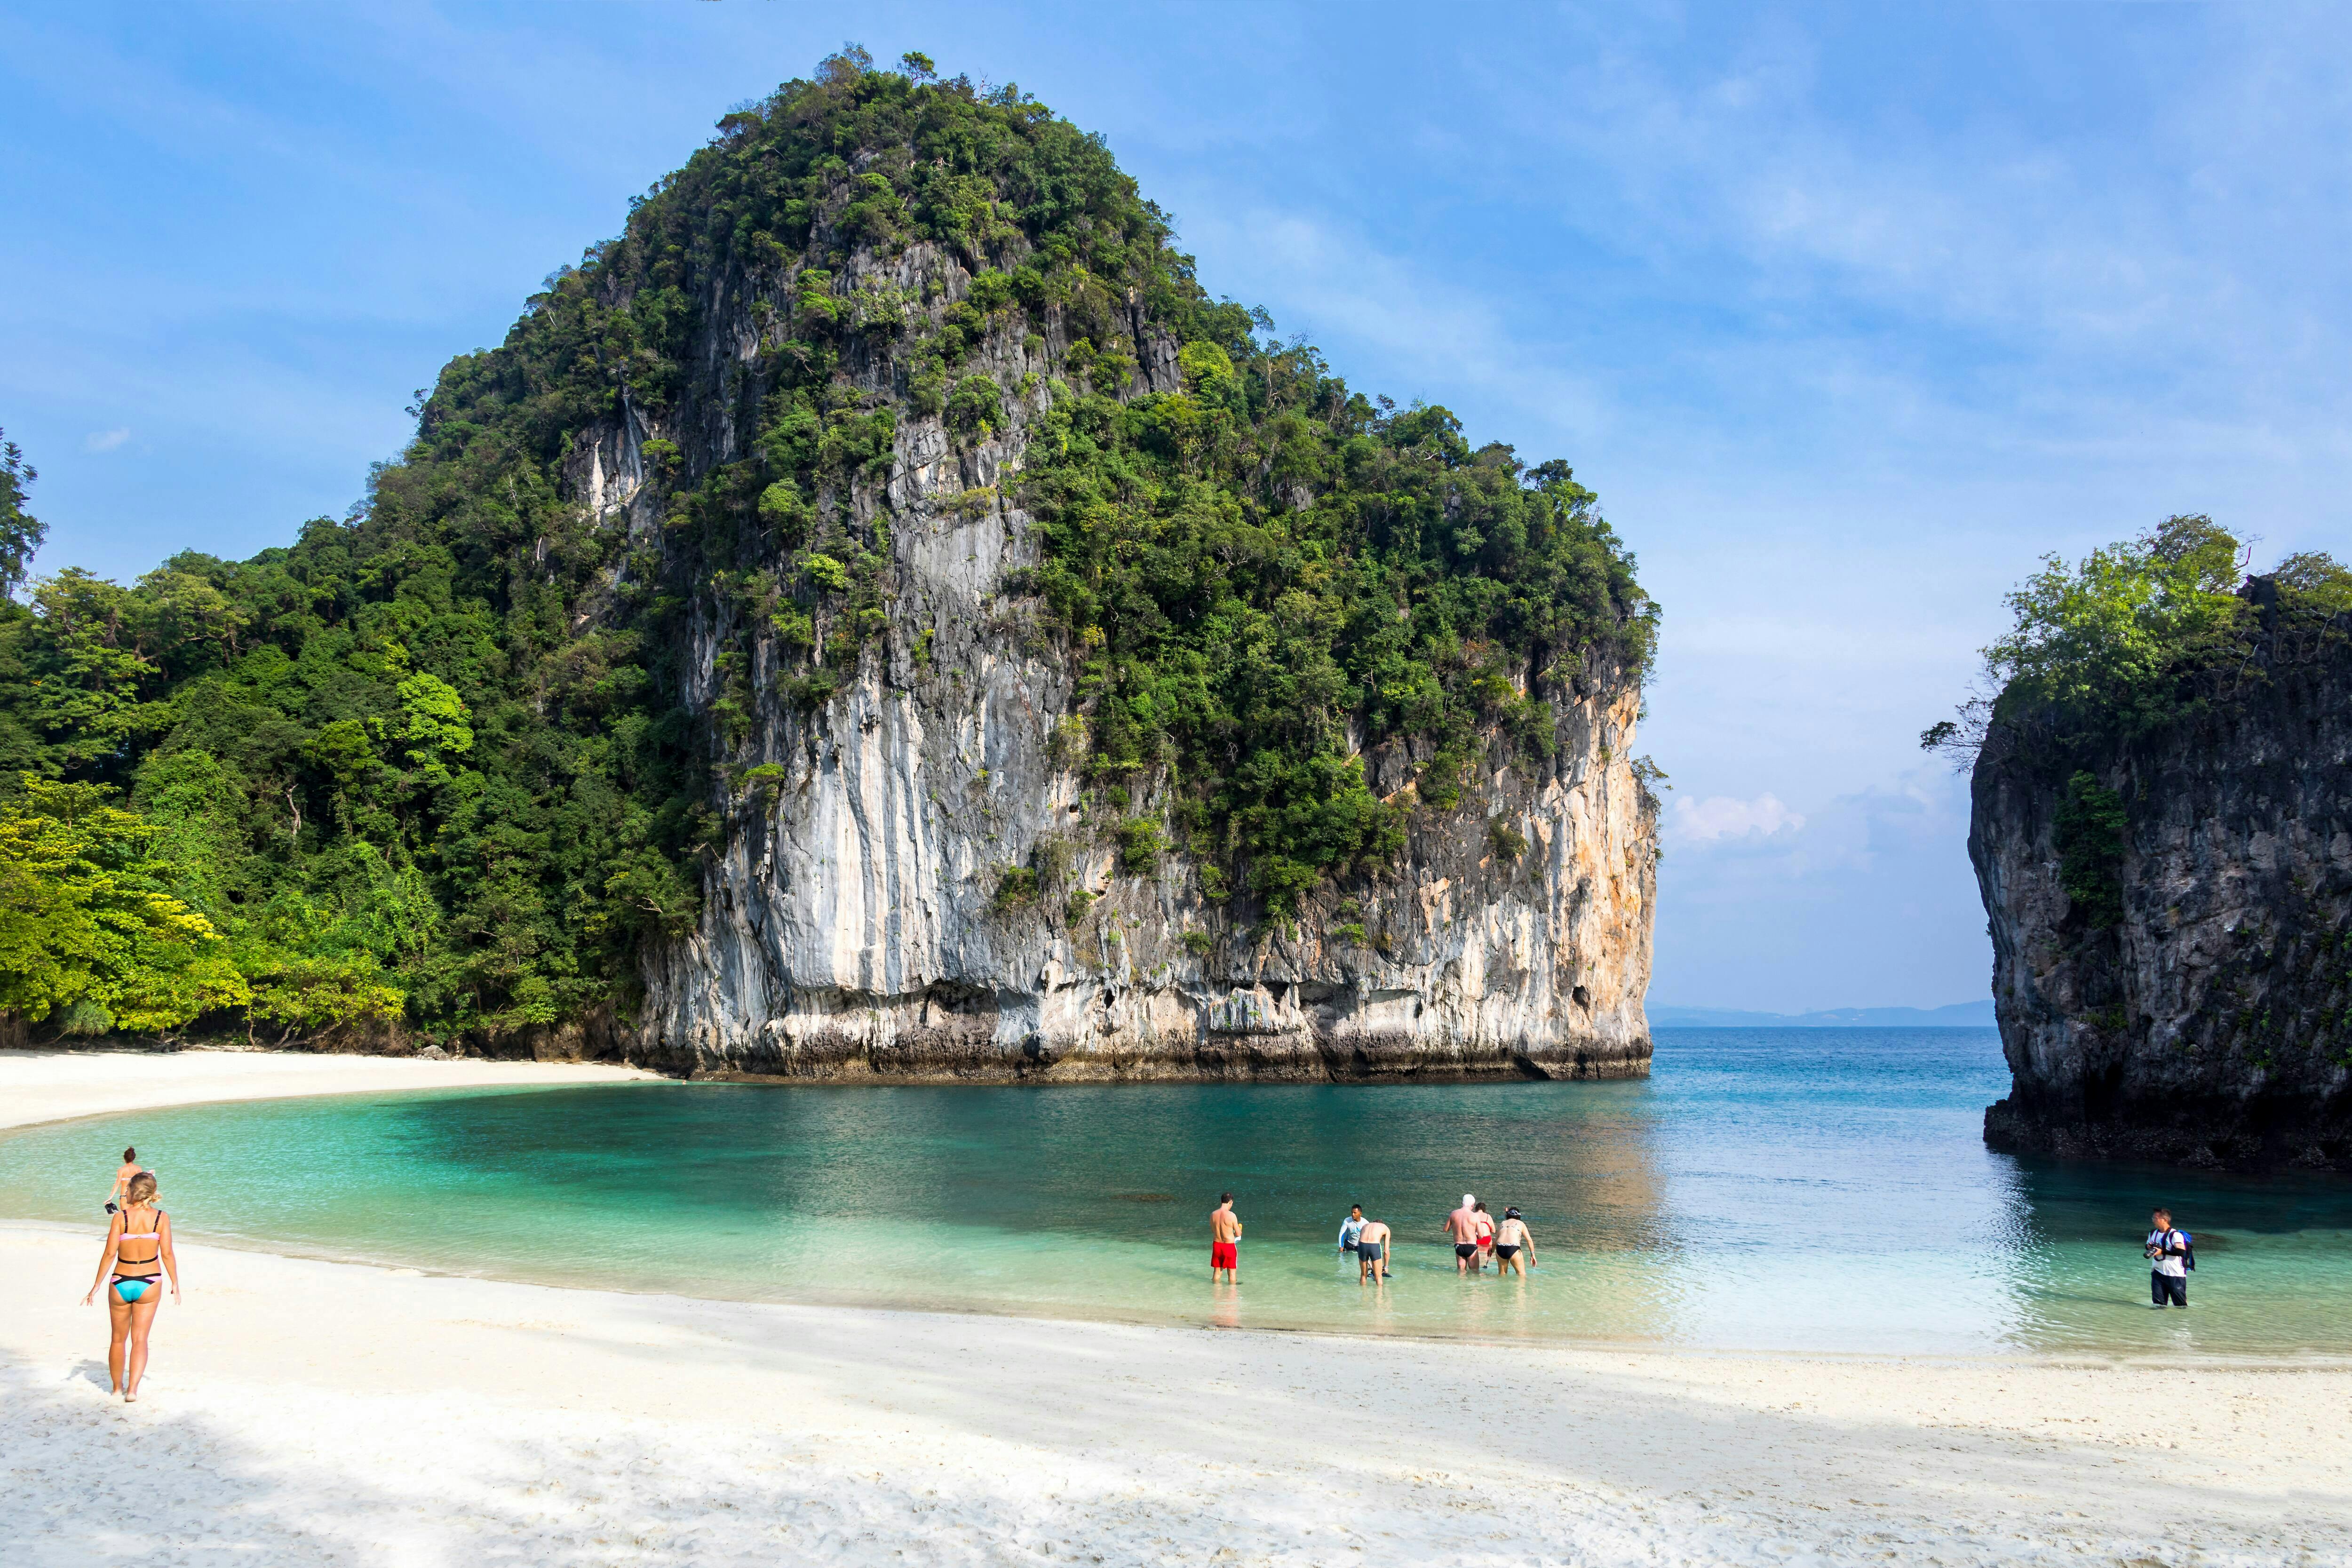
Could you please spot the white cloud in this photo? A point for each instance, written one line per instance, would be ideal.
(105, 440)
(2169, 259)
(1724, 816)
(1873, 899)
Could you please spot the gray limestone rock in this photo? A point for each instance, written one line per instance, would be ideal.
(851, 926)
(2208, 1026)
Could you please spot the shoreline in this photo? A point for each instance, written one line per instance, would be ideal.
(42, 1084)
(366, 1413)
(1992, 1360)
(854, 1072)
(78, 1084)
(314, 1411)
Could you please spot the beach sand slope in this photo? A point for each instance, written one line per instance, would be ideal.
(305, 1412)
(53, 1085)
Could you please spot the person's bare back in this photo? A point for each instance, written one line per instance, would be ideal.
(1224, 1240)
(129, 1168)
(1462, 1224)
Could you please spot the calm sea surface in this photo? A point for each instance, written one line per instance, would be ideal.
(1806, 1189)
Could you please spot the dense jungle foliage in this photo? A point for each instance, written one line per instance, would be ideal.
(2102, 652)
(442, 761)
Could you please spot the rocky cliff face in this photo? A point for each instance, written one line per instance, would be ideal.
(853, 924)
(2208, 1024)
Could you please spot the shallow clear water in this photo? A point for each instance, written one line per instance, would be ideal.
(1808, 1189)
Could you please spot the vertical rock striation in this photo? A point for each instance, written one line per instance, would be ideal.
(851, 925)
(2208, 1024)
(851, 932)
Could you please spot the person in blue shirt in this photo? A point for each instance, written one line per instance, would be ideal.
(1352, 1227)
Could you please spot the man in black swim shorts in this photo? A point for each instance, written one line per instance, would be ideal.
(1462, 1224)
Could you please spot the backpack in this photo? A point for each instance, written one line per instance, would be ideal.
(2188, 1248)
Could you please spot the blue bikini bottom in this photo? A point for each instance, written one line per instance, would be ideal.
(131, 1289)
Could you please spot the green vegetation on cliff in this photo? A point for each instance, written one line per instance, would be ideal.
(457, 759)
(1262, 561)
(2105, 650)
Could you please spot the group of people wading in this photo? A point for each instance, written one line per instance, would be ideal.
(139, 1258)
(1478, 1239)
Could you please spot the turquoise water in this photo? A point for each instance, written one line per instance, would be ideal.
(1798, 1189)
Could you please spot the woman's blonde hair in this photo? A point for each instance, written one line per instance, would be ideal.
(142, 1187)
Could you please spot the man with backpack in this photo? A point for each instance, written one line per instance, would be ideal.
(2171, 1254)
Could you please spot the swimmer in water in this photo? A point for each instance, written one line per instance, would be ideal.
(129, 1168)
(1511, 1238)
(1462, 1224)
(139, 1250)
(1372, 1252)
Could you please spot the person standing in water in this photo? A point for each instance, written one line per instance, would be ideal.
(1462, 1224)
(1511, 1238)
(139, 1251)
(2167, 1257)
(1372, 1252)
(129, 1168)
(1352, 1227)
(1225, 1241)
(1486, 1239)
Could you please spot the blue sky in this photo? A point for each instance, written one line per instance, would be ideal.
(1849, 313)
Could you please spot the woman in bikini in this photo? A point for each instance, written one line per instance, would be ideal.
(129, 1168)
(138, 1252)
(1486, 1223)
(1511, 1238)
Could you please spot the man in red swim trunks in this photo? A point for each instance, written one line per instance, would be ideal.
(1225, 1241)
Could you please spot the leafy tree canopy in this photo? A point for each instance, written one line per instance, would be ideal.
(20, 531)
(2098, 647)
(88, 932)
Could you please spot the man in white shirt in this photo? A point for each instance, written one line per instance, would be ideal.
(1352, 1227)
(2167, 1255)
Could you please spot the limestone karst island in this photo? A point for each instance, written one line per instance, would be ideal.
(985, 853)
(878, 616)
(2162, 828)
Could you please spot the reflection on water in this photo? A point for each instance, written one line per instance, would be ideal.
(1821, 1189)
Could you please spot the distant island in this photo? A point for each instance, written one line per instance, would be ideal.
(1959, 1015)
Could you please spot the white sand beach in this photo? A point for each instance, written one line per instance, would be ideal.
(52, 1085)
(302, 1412)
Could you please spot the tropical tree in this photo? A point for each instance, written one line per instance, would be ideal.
(88, 932)
(2097, 648)
(20, 532)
